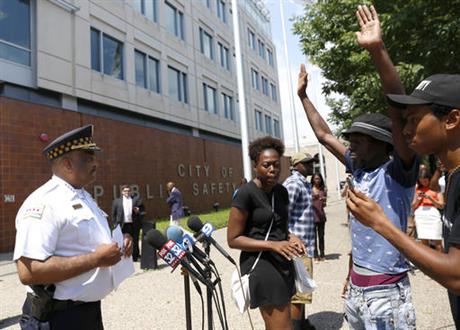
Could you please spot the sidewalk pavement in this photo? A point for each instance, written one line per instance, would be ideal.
(154, 299)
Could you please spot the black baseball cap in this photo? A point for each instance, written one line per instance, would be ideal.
(375, 125)
(442, 89)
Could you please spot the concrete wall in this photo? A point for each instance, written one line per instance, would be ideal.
(64, 60)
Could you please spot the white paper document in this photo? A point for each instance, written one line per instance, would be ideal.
(125, 267)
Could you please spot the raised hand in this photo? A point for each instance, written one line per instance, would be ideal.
(302, 82)
(370, 35)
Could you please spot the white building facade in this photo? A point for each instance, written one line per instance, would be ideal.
(171, 60)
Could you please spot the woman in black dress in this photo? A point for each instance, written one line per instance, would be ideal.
(271, 283)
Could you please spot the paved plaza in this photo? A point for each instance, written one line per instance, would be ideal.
(154, 299)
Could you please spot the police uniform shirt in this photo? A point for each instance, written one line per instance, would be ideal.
(59, 220)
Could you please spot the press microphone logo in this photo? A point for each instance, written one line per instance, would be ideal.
(171, 253)
(207, 229)
(188, 242)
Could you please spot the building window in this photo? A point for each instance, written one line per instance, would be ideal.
(15, 35)
(255, 79)
(261, 48)
(147, 71)
(148, 8)
(251, 39)
(95, 50)
(224, 56)
(265, 89)
(220, 7)
(270, 57)
(207, 3)
(276, 128)
(206, 44)
(228, 106)
(106, 54)
(210, 99)
(140, 63)
(274, 93)
(268, 125)
(177, 85)
(174, 21)
(259, 125)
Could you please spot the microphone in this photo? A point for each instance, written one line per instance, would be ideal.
(173, 254)
(187, 242)
(203, 232)
(177, 234)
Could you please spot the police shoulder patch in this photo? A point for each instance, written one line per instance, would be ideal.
(35, 211)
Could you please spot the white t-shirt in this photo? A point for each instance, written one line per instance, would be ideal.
(58, 220)
(442, 183)
(128, 209)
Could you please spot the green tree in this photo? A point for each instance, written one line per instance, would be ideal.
(422, 38)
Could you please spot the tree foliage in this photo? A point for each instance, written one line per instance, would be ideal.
(422, 38)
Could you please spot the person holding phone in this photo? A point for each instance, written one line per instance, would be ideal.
(426, 205)
(379, 291)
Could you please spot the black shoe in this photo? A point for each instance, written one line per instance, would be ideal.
(307, 325)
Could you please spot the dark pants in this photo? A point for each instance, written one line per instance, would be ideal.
(319, 229)
(133, 229)
(455, 309)
(86, 316)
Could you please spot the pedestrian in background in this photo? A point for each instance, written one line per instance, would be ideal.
(302, 224)
(175, 203)
(319, 197)
(128, 212)
(427, 205)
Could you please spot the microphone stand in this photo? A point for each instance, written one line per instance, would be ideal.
(188, 309)
(207, 250)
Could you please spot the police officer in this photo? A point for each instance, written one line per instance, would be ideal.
(64, 249)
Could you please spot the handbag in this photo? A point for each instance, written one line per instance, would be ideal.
(240, 284)
(303, 281)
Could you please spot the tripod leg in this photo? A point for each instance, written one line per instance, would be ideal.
(188, 309)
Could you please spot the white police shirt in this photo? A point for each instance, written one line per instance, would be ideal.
(59, 220)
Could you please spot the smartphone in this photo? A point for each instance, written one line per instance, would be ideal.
(350, 184)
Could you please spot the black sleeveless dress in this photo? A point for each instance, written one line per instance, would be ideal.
(271, 283)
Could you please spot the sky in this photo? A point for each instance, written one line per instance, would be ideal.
(296, 57)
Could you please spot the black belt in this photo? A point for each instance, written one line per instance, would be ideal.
(62, 305)
(59, 305)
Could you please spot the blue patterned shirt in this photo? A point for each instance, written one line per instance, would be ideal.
(301, 220)
(392, 187)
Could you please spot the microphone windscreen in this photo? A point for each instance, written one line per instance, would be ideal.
(175, 233)
(194, 223)
(155, 238)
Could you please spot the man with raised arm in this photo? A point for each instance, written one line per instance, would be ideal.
(432, 116)
(385, 169)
